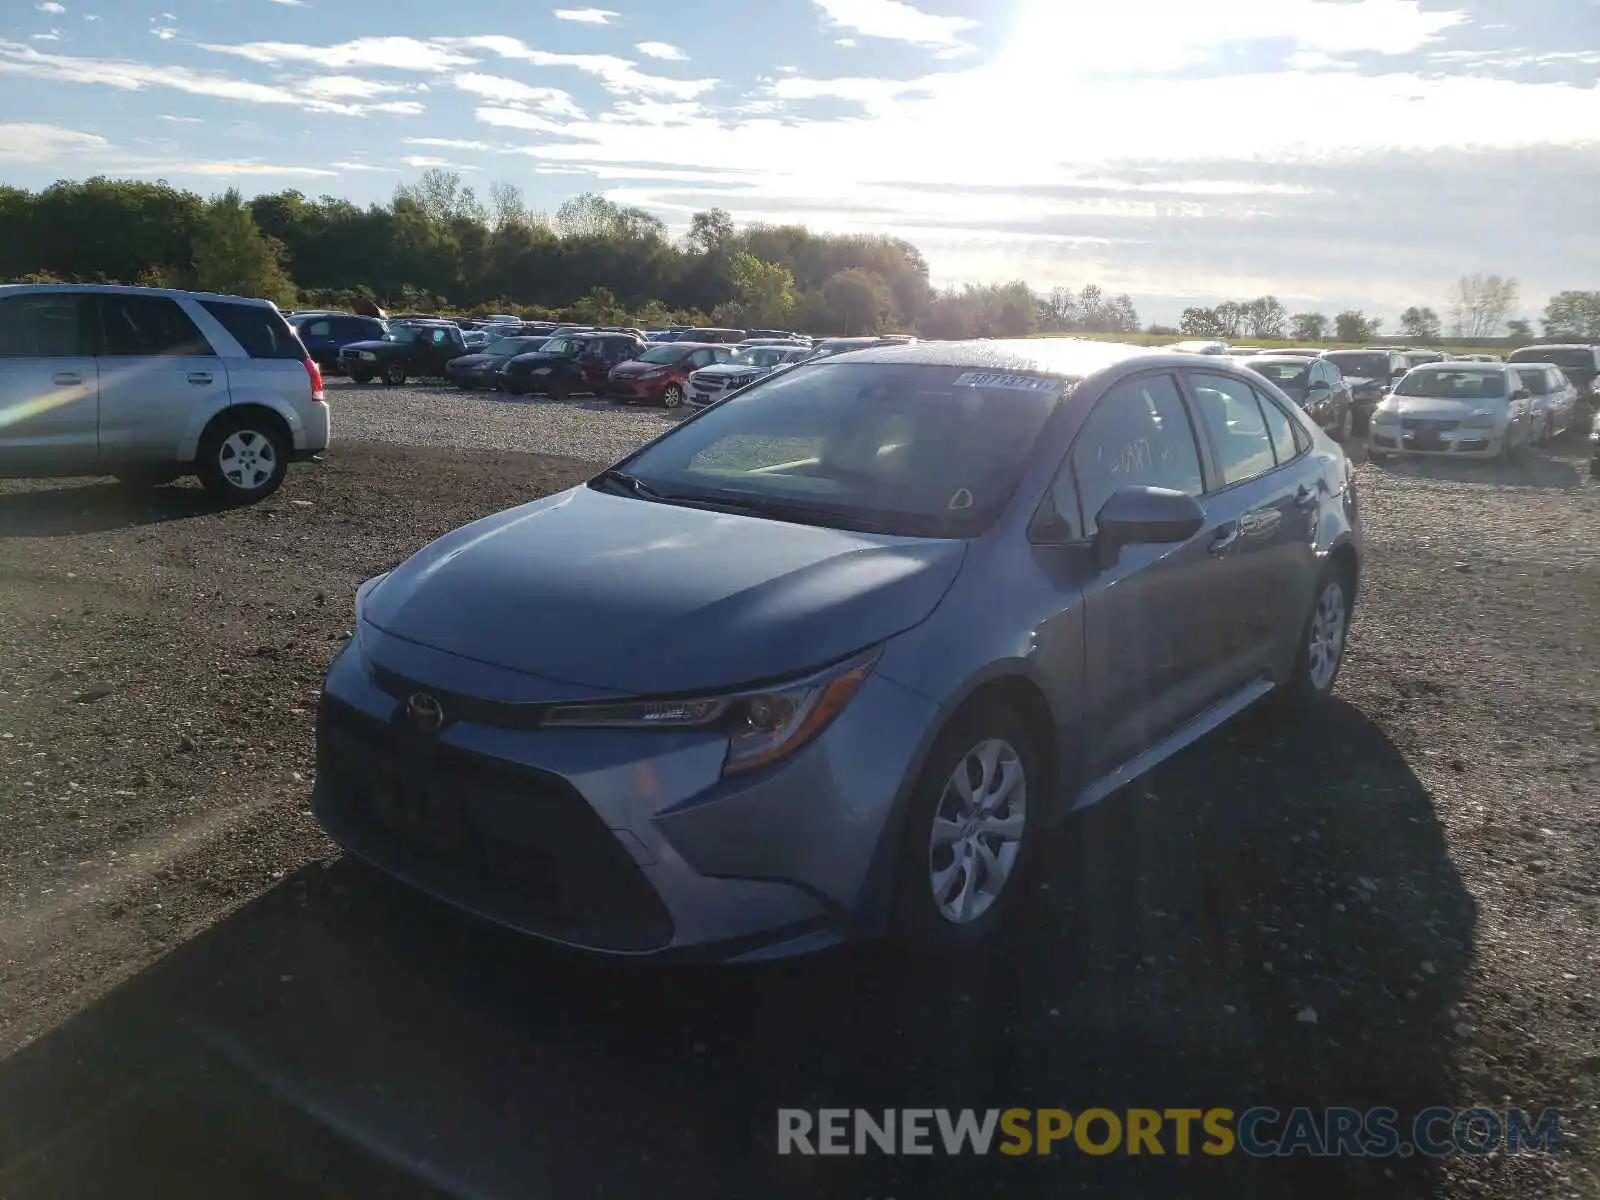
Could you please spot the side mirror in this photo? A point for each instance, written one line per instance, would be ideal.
(1140, 516)
(1522, 394)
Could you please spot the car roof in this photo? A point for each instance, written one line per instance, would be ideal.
(1301, 359)
(1068, 357)
(1457, 364)
(123, 289)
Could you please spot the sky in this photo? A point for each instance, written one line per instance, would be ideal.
(1335, 153)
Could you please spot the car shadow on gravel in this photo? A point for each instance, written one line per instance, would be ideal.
(58, 511)
(1553, 467)
(1271, 918)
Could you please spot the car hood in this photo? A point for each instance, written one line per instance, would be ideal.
(472, 361)
(375, 344)
(537, 359)
(640, 598)
(639, 368)
(1439, 407)
(723, 370)
(1362, 381)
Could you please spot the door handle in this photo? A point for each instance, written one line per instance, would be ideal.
(199, 378)
(66, 378)
(1306, 497)
(1226, 537)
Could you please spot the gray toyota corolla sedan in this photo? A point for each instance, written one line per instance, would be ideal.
(822, 661)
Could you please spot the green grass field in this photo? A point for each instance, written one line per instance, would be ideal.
(1158, 339)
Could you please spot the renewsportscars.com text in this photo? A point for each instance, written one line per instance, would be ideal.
(1257, 1132)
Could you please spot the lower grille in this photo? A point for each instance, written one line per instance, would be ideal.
(1429, 424)
(511, 843)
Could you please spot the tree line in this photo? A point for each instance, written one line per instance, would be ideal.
(1478, 307)
(437, 246)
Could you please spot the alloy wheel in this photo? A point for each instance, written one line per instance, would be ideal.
(977, 831)
(1326, 644)
(248, 459)
(672, 397)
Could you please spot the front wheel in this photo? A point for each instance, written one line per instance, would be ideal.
(672, 397)
(243, 458)
(1322, 639)
(1347, 426)
(394, 374)
(970, 831)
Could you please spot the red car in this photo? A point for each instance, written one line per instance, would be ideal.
(660, 375)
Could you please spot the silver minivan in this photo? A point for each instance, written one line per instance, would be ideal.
(148, 384)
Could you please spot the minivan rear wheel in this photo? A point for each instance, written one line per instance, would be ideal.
(970, 831)
(243, 457)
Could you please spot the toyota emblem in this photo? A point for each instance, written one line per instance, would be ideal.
(426, 713)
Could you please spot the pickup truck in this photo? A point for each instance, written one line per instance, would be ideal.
(408, 349)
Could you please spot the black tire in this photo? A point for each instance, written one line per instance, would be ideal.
(394, 374)
(560, 391)
(918, 920)
(1347, 427)
(261, 438)
(361, 376)
(144, 479)
(672, 396)
(1309, 687)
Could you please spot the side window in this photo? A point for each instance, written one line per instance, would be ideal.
(1280, 428)
(723, 355)
(702, 358)
(319, 328)
(148, 327)
(260, 331)
(440, 337)
(1138, 434)
(1238, 431)
(42, 325)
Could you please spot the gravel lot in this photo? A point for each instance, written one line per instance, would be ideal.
(441, 415)
(196, 996)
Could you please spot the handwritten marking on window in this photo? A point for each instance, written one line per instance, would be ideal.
(1133, 458)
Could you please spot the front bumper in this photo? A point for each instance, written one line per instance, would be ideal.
(1456, 443)
(621, 841)
(634, 388)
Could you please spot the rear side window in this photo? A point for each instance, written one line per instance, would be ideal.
(261, 330)
(1536, 381)
(1279, 428)
(149, 327)
(318, 328)
(1233, 418)
(43, 325)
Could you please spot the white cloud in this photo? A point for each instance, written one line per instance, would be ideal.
(165, 32)
(424, 160)
(394, 53)
(515, 92)
(447, 143)
(360, 166)
(17, 59)
(53, 35)
(166, 16)
(347, 87)
(847, 43)
(180, 120)
(517, 118)
(50, 6)
(91, 17)
(292, 3)
(661, 50)
(620, 76)
(227, 168)
(588, 16)
(901, 22)
(22, 143)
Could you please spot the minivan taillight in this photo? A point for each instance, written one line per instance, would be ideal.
(315, 374)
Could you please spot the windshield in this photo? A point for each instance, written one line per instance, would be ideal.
(561, 345)
(759, 356)
(507, 347)
(1454, 385)
(1361, 366)
(917, 450)
(663, 354)
(1291, 377)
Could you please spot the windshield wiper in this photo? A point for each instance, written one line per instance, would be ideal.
(630, 485)
(784, 510)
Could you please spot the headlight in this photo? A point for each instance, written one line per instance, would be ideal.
(762, 725)
(1482, 420)
(365, 590)
(1386, 416)
(368, 356)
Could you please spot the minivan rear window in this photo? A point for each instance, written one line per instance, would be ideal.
(262, 331)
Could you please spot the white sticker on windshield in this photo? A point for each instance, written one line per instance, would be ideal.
(1015, 383)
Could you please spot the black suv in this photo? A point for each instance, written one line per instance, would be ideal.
(568, 363)
(1371, 374)
(409, 348)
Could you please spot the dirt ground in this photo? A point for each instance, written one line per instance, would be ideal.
(196, 997)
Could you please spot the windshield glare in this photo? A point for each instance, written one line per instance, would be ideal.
(1454, 385)
(909, 449)
(403, 334)
(1361, 366)
(663, 354)
(1291, 377)
(508, 347)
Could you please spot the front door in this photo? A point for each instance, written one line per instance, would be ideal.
(1153, 623)
(49, 385)
(157, 372)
